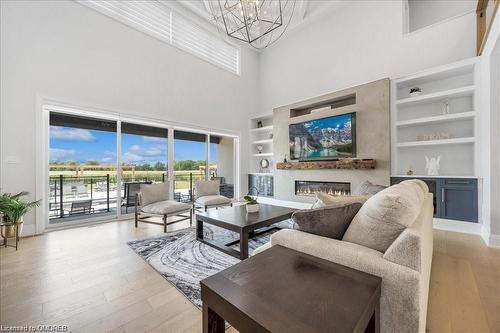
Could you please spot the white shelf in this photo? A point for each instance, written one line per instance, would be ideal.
(437, 119)
(428, 98)
(259, 142)
(438, 73)
(263, 129)
(436, 142)
(263, 154)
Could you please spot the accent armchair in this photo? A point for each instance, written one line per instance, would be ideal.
(152, 201)
(207, 195)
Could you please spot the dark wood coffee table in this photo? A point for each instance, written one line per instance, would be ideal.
(245, 224)
(282, 290)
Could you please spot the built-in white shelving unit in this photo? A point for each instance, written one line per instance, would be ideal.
(262, 129)
(441, 121)
(263, 155)
(263, 142)
(261, 135)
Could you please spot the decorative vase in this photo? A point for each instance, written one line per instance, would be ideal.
(446, 108)
(252, 208)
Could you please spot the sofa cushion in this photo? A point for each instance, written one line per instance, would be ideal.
(153, 193)
(368, 188)
(323, 200)
(209, 200)
(385, 215)
(327, 221)
(166, 207)
(206, 187)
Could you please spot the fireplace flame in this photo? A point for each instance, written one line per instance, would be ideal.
(311, 190)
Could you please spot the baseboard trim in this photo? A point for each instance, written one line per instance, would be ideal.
(28, 230)
(492, 240)
(458, 226)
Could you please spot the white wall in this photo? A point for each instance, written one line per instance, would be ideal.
(225, 159)
(357, 43)
(423, 13)
(71, 53)
(489, 128)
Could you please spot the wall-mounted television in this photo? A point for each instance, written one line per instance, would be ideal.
(324, 139)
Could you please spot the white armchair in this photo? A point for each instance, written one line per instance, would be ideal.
(152, 200)
(207, 195)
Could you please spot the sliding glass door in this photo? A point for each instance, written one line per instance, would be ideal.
(222, 163)
(97, 165)
(82, 168)
(190, 153)
(144, 160)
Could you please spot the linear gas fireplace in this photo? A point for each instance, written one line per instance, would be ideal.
(310, 188)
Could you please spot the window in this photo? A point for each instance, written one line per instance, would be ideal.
(170, 27)
(189, 37)
(82, 168)
(423, 13)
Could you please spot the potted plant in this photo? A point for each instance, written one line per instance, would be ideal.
(252, 204)
(13, 209)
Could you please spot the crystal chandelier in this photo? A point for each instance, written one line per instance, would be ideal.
(256, 22)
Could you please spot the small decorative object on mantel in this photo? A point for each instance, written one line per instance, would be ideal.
(345, 163)
(433, 136)
(252, 205)
(259, 124)
(415, 91)
(259, 149)
(409, 172)
(446, 107)
(13, 209)
(285, 160)
(432, 165)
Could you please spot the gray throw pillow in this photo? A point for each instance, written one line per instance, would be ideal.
(323, 200)
(331, 222)
(368, 188)
(202, 188)
(151, 193)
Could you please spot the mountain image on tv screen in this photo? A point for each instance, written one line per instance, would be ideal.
(327, 138)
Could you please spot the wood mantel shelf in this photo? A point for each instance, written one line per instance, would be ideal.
(346, 163)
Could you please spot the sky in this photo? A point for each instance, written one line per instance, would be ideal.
(75, 144)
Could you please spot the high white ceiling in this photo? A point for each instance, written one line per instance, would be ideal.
(306, 11)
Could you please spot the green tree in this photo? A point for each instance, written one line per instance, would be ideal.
(159, 166)
(92, 163)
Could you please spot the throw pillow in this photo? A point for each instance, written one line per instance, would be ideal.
(151, 193)
(203, 188)
(323, 200)
(331, 222)
(385, 215)
(368, 188)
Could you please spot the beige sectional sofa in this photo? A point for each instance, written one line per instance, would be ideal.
(403, 211)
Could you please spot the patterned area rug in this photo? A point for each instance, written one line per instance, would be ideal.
(184, 261)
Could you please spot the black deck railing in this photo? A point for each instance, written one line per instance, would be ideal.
(70, 195)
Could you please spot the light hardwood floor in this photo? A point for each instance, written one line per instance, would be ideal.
(88, 278)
